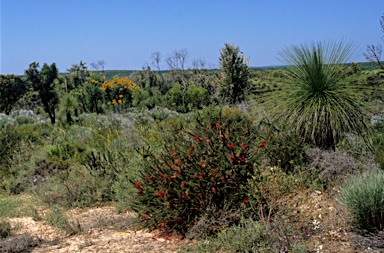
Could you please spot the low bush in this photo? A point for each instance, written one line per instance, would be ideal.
(362, 195)
(268, 189)
(205, 166)
(63, 155)
(280, 147)
(253, 236)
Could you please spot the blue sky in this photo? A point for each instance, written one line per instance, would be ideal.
(125, 33)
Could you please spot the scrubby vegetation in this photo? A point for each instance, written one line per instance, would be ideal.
(235, 160)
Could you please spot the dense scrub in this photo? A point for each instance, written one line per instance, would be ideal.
(168, 146)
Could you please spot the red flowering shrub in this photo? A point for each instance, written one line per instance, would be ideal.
(208, 165)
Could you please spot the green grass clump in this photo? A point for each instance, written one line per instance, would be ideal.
(362, 195)
(252, 236)
(57, 218)
(5, 228)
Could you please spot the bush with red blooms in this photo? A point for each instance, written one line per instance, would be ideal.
(205, 166)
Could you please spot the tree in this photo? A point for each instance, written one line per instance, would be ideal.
(177, 59)
(79, 74)
(99, 65)
(43, 82)
(12, 88)
(316, 100)
(374, 52)
(236, 72)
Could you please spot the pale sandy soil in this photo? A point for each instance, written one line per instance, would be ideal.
(93, 239)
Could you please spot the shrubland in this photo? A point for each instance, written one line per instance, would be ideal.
(267, 164)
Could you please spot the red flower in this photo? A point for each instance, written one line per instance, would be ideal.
(213, 172)
(182, 185)
(232, 157)
(174, 154)
(218, 122)
(231, 145)
(138, 186)
(174, 176)
(212, 178)
(245, 201)
(184, 196)
(207, 141)
(270, 136)
(213, 189)
(140, 192)
(203, 166)
(196, 138)
(200, 177)
(191, 149)
(170, 150)
(221, 136)
(263, 145)
(217, 126)
(160, 193)
(244, 145)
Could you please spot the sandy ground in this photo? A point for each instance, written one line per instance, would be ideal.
(45, 238)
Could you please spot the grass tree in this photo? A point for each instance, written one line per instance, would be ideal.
(236, 70)
(147, 98)
(317, 101)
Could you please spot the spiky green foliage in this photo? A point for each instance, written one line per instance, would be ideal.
(362, 195)
(68, 105)
(236, 72)
(317, 101)
(146, 99)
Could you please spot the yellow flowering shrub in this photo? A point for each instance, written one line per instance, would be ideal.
(119, 90)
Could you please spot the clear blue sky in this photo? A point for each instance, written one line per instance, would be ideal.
(125, 33)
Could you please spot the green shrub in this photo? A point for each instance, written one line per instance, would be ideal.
(9, 140)
(378, 142)
(65, 154)
(174, 99)
(203, 166)
(16, 143)
(196, 98)
(102, 176)
(252, 236)
(282, 148)
(267, 188)
(362, 195)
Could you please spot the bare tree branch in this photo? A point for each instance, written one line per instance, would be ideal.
(156, 59)
(100, 64)
(374, 55)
